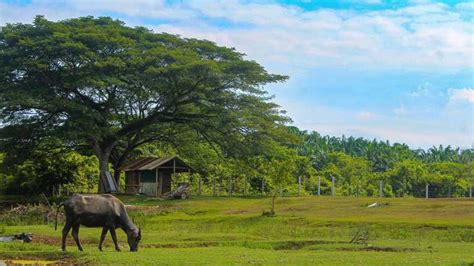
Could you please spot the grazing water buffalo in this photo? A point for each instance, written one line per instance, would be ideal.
(104, 211)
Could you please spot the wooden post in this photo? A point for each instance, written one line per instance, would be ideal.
(160, 185)
(470, 191)
(333, 190)
(319, 186)
(263, 186)
(229, 184)
(299, 185)
(449, 191)
(427, 190)
(156, 182)
(381, 188)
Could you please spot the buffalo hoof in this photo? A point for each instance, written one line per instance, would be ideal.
(118, 249)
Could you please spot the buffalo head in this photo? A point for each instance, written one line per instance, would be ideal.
(134, 237)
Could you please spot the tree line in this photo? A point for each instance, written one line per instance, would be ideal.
(83, 96)
(296, 167)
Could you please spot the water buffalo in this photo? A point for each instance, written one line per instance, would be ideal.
(104, 211)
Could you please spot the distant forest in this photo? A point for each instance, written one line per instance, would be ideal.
(357, 164)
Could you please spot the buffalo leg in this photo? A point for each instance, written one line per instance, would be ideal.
(66, 229)
(114, 238)
(75, 234)
(102, 237)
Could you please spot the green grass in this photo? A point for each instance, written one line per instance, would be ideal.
(306, 231)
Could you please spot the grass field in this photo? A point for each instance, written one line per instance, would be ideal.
(306, 231)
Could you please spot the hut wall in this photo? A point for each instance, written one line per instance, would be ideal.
(148, 182)
(132, 182)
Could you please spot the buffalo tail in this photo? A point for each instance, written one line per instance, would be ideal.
(56, 220)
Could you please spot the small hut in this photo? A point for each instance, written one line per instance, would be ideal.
(151, 175)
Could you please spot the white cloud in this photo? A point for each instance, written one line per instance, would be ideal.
(424, 89)
(366, 115)
(401, 110)
(467, 6)
(426, 35)
(461, 95)
(449, 129)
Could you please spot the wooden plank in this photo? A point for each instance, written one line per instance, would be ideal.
(111, 183)
(156, 182)
(149, 188)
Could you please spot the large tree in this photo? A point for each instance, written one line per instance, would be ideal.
(97, 82)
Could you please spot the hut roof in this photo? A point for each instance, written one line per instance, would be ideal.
(150, 163)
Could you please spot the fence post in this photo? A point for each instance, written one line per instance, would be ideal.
(319, 186)
(229, 183)
(427, 190)
(333, 190)
(381, 188)
(263, 186)
(299, 185)
(449, 191)
(470, 192)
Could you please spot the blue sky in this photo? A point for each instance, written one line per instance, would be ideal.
(396, 70)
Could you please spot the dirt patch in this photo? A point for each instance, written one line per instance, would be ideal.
(436, 227)
(379, 249)
(56, 241)
(297, 208)
(182, 245)
(295, 245)
(58, 258)
(236, 211)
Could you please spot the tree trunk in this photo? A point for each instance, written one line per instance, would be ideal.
(103, 167)
(103, 155)
(118, 160)
(273, 202)
(117, 173)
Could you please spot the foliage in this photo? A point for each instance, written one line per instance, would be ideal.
(96, 82)
(47, 169)
(359, 165)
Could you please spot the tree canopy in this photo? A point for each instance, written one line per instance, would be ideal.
(96, 82)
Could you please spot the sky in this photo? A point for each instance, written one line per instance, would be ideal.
(401, 71)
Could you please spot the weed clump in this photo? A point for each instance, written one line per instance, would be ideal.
(268, 213)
